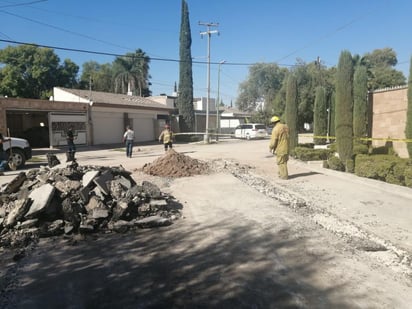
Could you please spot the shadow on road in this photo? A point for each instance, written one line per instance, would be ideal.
(302, 175)
(179, 266)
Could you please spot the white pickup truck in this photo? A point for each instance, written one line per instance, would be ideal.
(20, 150)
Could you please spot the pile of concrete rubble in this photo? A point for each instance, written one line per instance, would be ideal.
(74, 199)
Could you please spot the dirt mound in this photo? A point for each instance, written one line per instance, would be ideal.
(173, 164)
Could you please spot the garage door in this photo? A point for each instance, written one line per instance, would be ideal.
(60, 123)
(143, 129)
(108, 128)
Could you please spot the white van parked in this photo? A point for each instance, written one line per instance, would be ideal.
(251, 131)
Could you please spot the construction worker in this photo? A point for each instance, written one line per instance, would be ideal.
(70, 143)
(279, 145)
(167, 136)
(128, 138)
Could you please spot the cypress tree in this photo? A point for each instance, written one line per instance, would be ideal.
(360, 102)
(184, 100)
(408, 129)
(344, 107)
(320, 116)
(332, 109)
(291, 111)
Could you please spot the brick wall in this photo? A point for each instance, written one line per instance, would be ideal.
(389, 117)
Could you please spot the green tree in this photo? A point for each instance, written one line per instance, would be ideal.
(320, 116)
(408, 129)
(184, 100)
(98, 77)
(344, 107)
(132, 73)
(309, 76)
(291, 112)
(380, 65)
(332, 117)
(31, 72)
(360, 102)
(278, 105)
(263, 84)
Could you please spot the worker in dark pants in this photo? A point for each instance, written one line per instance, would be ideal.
(70, 143)
(167, 136)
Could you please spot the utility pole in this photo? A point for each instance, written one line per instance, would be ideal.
(208, 32)
(218, 101)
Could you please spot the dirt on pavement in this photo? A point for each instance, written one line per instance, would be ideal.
(247, 240)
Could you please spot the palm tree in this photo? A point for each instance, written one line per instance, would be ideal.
(132, 73)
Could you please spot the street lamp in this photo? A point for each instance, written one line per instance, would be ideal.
(218, 101)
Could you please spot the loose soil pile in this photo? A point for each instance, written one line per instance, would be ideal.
(173, 164)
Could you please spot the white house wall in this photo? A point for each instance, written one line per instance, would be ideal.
(200, 104)
(143, 128)
(64, 96)
(109, 126)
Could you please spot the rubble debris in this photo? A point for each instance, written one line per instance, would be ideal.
(174, 164)
(51, 201)
(15, 184)
(52, 159)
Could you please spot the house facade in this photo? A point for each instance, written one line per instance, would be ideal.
(108, 114)
(35, 118)
(97, 117)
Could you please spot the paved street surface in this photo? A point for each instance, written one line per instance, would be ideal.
(322, 239)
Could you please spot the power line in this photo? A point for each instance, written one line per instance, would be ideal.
(22, 4)
(64, 30)
(122, 55)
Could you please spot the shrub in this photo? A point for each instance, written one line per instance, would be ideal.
(375, 167)
(388, 168)
(307, 145)
(334, 163)
(350, 166)
(408, 174)
(360, 149)
(308, 154)
(333, 147)
(188, 138)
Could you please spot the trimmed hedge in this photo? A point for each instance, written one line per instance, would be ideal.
(388, 168)
(188, 138)
(334, 163)
(309, 154)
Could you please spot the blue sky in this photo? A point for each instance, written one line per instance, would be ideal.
(249, 32)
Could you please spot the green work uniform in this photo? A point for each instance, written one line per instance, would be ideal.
(279, 144)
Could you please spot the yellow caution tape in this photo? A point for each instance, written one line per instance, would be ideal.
(387, 139)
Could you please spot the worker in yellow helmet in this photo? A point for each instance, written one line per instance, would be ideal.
(279, 145)
(167, 136)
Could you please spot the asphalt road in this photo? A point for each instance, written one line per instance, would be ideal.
(244, 242)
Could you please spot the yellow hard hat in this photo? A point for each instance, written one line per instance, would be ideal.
(274, 119)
